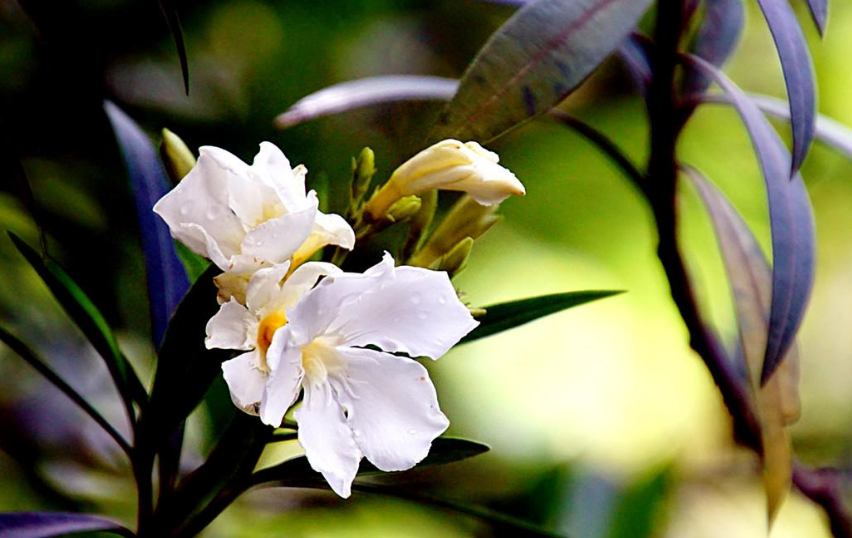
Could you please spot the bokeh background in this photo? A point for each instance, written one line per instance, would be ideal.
(602, 422)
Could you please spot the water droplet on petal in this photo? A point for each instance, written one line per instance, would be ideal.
(412, 432)
(185, 208)
(356, 433)
(212, 213)
(442, 299)
(416, 298)
(422, 315)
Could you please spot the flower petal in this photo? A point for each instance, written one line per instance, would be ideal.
(412, 310)
(327, 439)
(233, 327)
(245, 381)
(277, 239)
(303, 279)
(334, 230)
(272, 167)
(264, 288)
(201, 198)
(391, 406)
(285, 378)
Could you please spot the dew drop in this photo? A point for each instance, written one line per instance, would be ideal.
(412, 432)
(212, 213)
(416, 298)
(422, 315)
(356, 433)
(184, 209)
(442, 299)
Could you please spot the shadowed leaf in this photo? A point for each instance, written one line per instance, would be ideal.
(791, 222)
(798, 75)
(751, 281)
(819, 12)
(173, 20)
(365, 92)
(444, 450)
(48, 524)
(504, 316)
(716, 39)
(90, 321)
(165, 274)
(533, 62)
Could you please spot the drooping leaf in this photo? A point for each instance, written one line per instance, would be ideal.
(533, 62)
(444, 450)
(185, 367)
(798, 75)
(166, 276)
(363, 92)
(90, 321)
(48, 524)
(819, 12)
(751, 281)
(791, 222)
(41, 367)
(13, 170)
(634, 54)
(716, 39)
(170, 11)
(505, 316)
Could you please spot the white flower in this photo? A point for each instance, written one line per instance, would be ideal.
(449, 165)
(251, 327)
(359, 402)
(244, 217)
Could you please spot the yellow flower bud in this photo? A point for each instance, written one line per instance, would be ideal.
(465, 219)
(448, 165)
(177, 157)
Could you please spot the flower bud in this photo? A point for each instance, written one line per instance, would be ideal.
(465, 219)
(448, 165)
(177, 157)
(454, 261)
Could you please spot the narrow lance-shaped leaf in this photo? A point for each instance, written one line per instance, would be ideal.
(48, 524)
(90, 321)
(828, 131)
(534, 61)
(444, 450)
(751, 281)
(791, 222)
(166, 276)
(41, 367)
(504, 316)
(798, 75)
(716, 38)
(169, 9)
(363, 92)
(819, 12)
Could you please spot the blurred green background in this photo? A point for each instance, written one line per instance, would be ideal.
(602, 422)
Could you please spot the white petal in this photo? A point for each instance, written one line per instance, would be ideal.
(303, 279)
(224, 159)
(233, 327)
(212, 249)
(264, 288)
(272, 167)
(247, 199)
(285, 378)
(412, 310)
(391, 407)
(334, 230)
(201, 199)
(245, 381)
(327, 439)
(277, 239)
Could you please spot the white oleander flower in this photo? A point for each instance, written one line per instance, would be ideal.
(245, 217)
(358, 401)
(251, 326)
(449, 165)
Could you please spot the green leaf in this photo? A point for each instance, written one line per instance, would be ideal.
(41, 367)
(48, 524)
(194, 264)
(444, 450)
(173, 20)
(534, 61)
(90, 321)
(505, 316)
(185, 367)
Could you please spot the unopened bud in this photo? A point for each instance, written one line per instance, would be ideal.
(363, 170)
(454, 261)
(403, 209)
(177, 157)
(467, 218)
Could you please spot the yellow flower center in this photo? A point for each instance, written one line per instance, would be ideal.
(265, 332)
(319, 358)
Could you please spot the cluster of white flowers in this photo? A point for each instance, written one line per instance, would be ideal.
(308, 326)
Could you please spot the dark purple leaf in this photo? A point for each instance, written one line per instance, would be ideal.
(791, 221)
(365, 92)
(819, 12)
(167, 280)
(47, 524)
(798, 75)
(634, 53)
(535, 60)
(716, 38)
